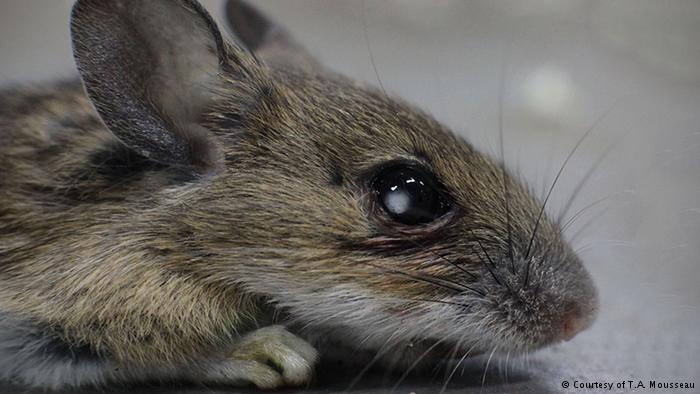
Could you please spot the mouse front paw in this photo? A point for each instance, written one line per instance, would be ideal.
(270, 357)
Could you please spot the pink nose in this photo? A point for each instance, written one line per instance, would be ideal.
(570, 326)
(572, 322)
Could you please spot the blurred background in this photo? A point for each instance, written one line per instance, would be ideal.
(631, 67)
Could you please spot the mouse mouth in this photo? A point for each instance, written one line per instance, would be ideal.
(527, 307)
(543, 322)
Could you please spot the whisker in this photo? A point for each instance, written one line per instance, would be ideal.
(586, 177)
(501, 101)
(440, 256)
(580, 213)
(589, 222)
(423, 300)
(369, 46)
(486, 265)
(488, 257)
(416, 362)
(434, 281)
(483, 379)
(451, 356)
(441, 301)
(610, 242)
(506, 369)
(380, 352)
(449, 378)
(554, 183)
(493, 274)
(561, 231)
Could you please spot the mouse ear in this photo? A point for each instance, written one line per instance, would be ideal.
(269, 41)
(150, 68)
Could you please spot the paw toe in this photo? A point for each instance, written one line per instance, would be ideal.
(264, 377)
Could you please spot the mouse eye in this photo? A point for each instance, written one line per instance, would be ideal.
(409, 195)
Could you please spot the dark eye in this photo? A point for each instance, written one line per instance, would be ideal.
(409, 195)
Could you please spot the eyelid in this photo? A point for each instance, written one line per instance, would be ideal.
(368, 174)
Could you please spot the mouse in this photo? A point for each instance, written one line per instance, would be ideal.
(229, 211)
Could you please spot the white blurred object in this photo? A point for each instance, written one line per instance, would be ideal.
(547, 93)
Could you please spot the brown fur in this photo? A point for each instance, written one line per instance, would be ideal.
(151, 265)
(142, 267)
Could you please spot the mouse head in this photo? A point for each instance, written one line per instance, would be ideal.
(355, 213)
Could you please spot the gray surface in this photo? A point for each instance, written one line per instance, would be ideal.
(567, 62)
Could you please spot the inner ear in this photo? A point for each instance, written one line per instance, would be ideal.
(187, 50)
(150, 68)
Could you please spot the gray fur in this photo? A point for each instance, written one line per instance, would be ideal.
(29, 355)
